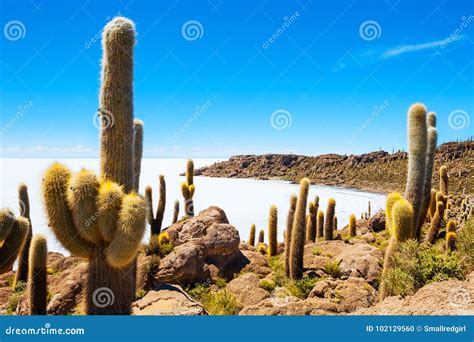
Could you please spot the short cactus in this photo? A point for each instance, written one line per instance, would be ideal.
(329, 223)
(261, 236)
(436, 223)
(311, 224)
(251, 241)
(334, 223)
(272, 231)
(352, 225)
(137, 152)
(451, 239)
(37, 275)
(21, 275)
(443, 180)
(451, 226)
(156, 221)
(298, 232)
(187, 189)
(392, 198)
(262, 248)
(13, 232)
(417, 151)
(320, 225)
(289, 226)
(175, 212)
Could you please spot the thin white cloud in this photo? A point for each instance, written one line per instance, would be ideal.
(422, 46)
(46, 149)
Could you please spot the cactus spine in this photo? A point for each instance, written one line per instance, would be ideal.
(78, 206)
(329, 223)
(175, 212)
(261, 236)
(272, 231)
(403, 228)
(443, 180)
(298, 232)
(156, 221)
(352, 225)
(320, 225)
(137, 152)
(289, 226)
(13, 232)
(187, 189)
(37, 275)
(21, 274)
(252, 235)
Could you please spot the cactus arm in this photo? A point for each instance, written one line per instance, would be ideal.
(131, 226)
(149, 203)
(109, 202)
(7, 219)
(13, 244)
(392, 198)
(137, 152)
(175, 212)
(21, 274)
(55, 185)
(160, 210)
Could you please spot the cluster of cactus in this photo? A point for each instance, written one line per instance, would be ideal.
(104, 221)
(272, 231)
(156, 221)
(440, 202)
(298, 232)
(289, 226)
(187, 189)
(329, 223)
(13, 233)
(37, 275)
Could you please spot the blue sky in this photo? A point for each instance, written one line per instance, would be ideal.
(307, 77)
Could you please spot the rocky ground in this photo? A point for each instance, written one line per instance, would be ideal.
(211, 271)
(369, 171)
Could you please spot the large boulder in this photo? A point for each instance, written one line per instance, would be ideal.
(247, 290)
(451, 297)
(356, 258)
(290, 306)
(377, 222)
(167, 300)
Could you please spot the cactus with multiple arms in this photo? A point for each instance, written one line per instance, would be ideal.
(187, 189)
(13, 232)
(156, 221)
(21, 275)
(329, 223)
(298, 232)
(37, 275)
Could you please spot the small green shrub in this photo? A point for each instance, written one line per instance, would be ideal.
(220, 282)
(267, 284)
(220, 303)
(302, 287)
(399, 282)
(277, 265)
(333, 269)
(316, 250)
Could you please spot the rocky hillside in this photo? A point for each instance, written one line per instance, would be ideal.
(376, 171)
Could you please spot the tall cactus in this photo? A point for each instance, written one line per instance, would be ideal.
(175, 212)
(104, 221)
(156, 221)
(320, 225)
(329, 223)
(289, 226)
(430, 156)
(13, 232)
(21, 275)
(272, 230)
(417, 151)
(187, 189)
(251, 241)
(298, 232)
(37, 275)
(402, 226)
(137, 152)
(443, 180)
